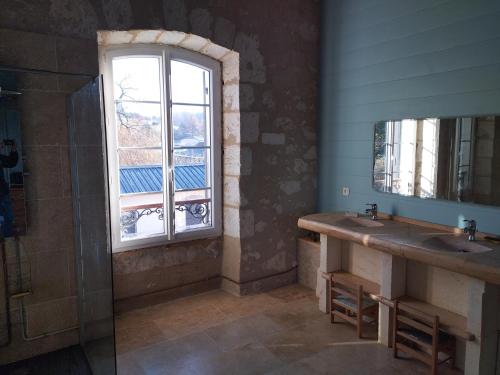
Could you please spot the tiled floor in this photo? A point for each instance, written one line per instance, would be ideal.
(280, 332)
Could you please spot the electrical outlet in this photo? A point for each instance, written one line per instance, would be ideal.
(346, 191)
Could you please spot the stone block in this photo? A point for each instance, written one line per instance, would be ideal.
(201, 22)
(246, 161)
(114, 37)
(73, 18)
(308, 258)
(43, 118)
(231, 260)
(290, 187)
(273, 138)
(231, 160)
(247, 227)
(231, 68)
(249, 127)
(27, 50)
(194, 42)
(51, 316)
(231, 97)
(50, 226)
(246, 96)
(232, 221)
(33, 81)
(49, 276)
(224, 31)
(231, 128)
(214, 51)
(45, 174)
(118, 14)
(175, 14)
(145, 36)
(171, 37)
(232, 195)
(252, 67)
(269, 283)
(77, 56)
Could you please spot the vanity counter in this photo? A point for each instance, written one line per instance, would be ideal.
(428, 243)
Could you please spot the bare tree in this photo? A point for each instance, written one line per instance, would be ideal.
(123, 117)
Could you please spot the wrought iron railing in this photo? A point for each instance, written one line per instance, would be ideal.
(199, 209)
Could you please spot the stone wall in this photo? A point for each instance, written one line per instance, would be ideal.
(277, 43)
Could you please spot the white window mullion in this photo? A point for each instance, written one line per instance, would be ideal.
(169, 196)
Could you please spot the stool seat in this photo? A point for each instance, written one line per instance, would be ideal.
(367, 302)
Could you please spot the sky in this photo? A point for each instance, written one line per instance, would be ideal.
(142, 75)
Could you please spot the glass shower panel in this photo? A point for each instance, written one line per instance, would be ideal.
(91, 220)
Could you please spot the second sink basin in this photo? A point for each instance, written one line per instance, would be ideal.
(359, 222)
(454, 244)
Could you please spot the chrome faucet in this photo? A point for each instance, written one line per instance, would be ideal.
(372, 211)
(470, 229)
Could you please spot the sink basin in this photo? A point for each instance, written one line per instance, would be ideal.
(454, 244)
(359, 222)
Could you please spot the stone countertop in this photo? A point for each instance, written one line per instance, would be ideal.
(412, 239)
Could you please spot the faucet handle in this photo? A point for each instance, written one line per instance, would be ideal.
(471, 222)
(373, 205)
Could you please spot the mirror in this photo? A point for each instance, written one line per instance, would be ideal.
(455, 159)
(12, 201)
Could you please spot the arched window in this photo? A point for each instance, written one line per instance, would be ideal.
(163, 130)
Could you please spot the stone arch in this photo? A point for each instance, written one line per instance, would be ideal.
(231, 126)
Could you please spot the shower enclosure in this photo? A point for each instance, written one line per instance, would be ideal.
(63, 235)
(91, 221)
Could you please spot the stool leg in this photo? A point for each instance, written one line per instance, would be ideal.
(454, 354)
(360, 312)
(394, 329)
(331, 296)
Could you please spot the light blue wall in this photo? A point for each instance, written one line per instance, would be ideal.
(390, 59)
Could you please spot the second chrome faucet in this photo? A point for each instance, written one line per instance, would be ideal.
(372, 211)
(470, 229)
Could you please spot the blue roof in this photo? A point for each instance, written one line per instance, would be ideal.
(148, 179)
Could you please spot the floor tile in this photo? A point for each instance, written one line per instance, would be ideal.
(245, 360)
(274, 333)
(243, 331)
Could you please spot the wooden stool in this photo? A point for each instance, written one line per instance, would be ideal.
(417, 334)
(350, 300)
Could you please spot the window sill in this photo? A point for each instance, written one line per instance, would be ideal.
(165, 243)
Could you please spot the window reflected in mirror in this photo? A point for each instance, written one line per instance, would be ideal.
(443, 158)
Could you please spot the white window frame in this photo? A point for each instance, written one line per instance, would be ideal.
(166, 53)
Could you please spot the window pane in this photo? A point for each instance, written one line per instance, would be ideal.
(141, 193)
(192, 169)
(141, 219)
(190, 84)
(140, 158)
(379, 158)
(193, 210)
(137, 78)
(139, 124)
(191, 125)
(380, 182)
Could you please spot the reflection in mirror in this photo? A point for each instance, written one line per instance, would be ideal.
(12, 202)
(448, 158)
